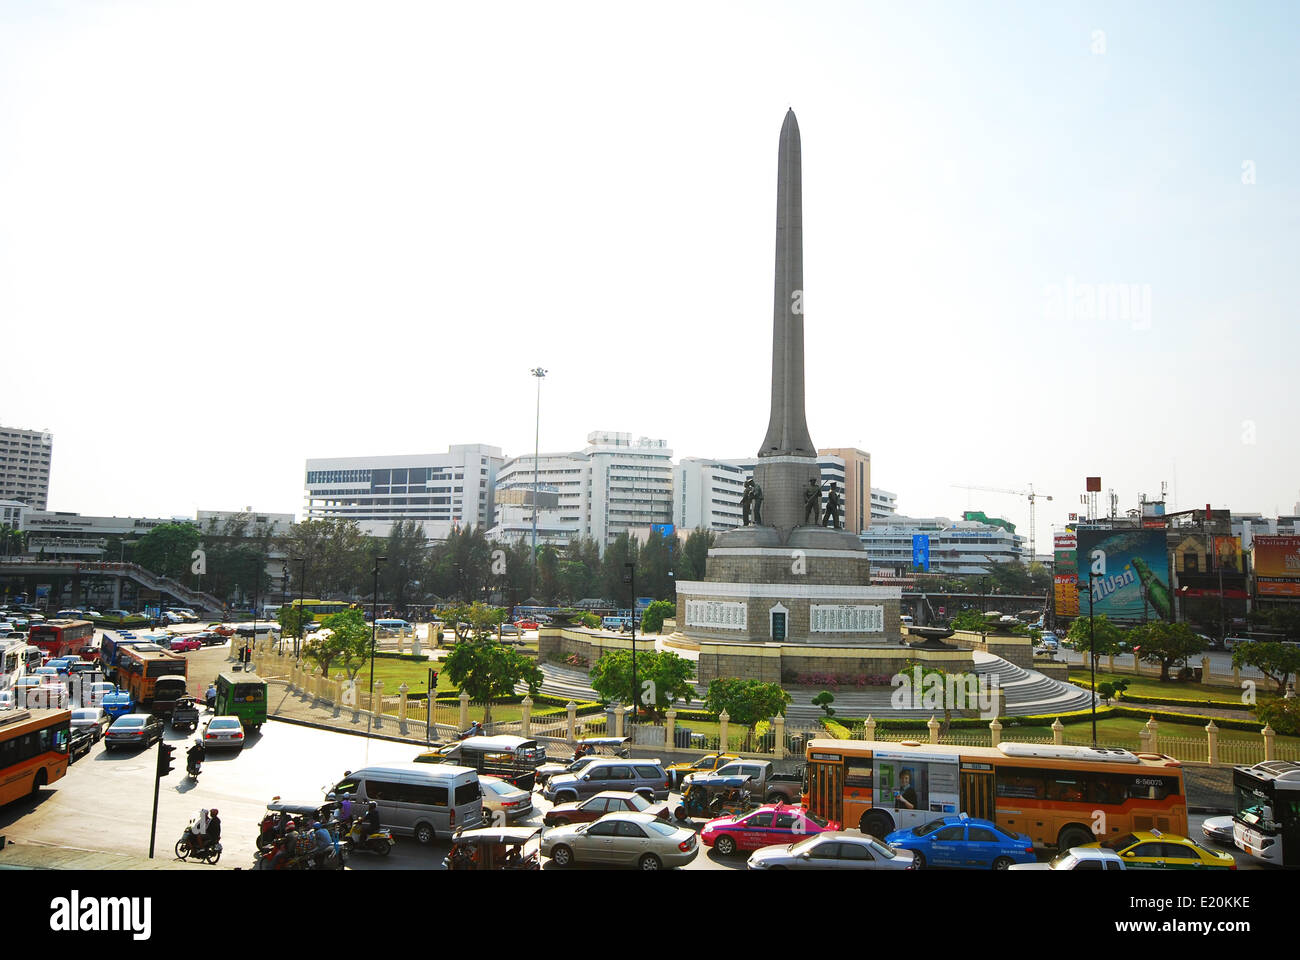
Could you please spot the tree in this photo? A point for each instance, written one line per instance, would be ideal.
(402, 572)
(652, 619)
(344, 636)
(337, 555)
(1106, 690)
(655, 565)
(293, 621)
(475, 620)
(1282, 714)
(824, 700)
(971, 620)
(167, 549)
(487, 670)
(622, 551)
(694, 555)
(1165, 643)
(746, 701)
(663, 678)
(548, 574)
(1101, 639)
(1277, 661)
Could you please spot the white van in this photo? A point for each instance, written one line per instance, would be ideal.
(419, 800)
(390, 628)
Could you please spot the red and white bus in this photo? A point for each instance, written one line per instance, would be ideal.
(62, 638)
(33, 751)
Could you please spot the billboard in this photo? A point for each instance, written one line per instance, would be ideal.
(1126, 573)
(1065, 588)
(1277, 566)
(921, 551)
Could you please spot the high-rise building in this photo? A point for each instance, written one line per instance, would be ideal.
(706, 494)
(966, 547)
(855, 491)
(25, 466)
(613, 485)
(440, 490)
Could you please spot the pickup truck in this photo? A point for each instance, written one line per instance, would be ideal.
(763, 781)
(708, 763)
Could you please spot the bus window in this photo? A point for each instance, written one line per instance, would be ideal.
(1020, 784)
(1105, 789)
(1152, 788)
(1068, 790)
(857, 772)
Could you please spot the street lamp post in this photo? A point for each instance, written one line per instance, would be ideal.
(539, 373)
(630, 578)
(374, 625)
(302, 585)
(1092, 657)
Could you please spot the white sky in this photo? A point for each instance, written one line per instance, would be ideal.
(248, 233)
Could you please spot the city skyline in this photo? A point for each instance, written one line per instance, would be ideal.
(1031, 256)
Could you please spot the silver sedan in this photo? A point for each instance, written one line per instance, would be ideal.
(833, 850)
(622, 839)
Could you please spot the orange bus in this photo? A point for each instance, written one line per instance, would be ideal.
(62, 638)
(33, 751)
(138, 672)
(1062, 796)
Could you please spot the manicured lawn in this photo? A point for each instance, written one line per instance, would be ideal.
(1139, 686)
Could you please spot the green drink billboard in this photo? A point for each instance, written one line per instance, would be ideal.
(1124, 574)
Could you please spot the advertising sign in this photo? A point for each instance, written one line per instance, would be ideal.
(664, 530)
(921, 551)
(1065, 586)
(916, 782)
(1277, 566)
(1126, 573)
(1227, 555)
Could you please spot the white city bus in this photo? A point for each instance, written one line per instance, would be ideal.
(1266, 812)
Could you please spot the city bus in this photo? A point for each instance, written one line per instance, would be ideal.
(62, 638)
(1266, 812)
(33, 751)
(242, 695)
(1056, 794)
(319, 609)
(139, 672)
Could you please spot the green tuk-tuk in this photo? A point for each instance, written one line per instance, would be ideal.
(242, 695)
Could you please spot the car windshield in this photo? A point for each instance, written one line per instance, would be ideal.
(661, 828)
(223, 723)
(84, 714)
(806, 844)
(497, 786)
(1119, 843)
(925, 828)
(129, 722)
(1062, 861)
(883, 849)
(639, 803)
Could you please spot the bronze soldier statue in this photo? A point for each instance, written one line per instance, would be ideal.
(747, 501)
(812, 502)
(832, 518)
(758, 503)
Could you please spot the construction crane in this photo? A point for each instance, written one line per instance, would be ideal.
(1029, 494)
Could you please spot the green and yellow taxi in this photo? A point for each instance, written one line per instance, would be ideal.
(1153, 850)
(708, 763)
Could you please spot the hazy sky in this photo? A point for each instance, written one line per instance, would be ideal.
(237, 235)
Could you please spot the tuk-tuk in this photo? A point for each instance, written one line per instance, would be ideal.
(495, 848)
(514, 759)
(278, 813)
(590, 747)
(242, 696)
(730, 800)
(185, 713)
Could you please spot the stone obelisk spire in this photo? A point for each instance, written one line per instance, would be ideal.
(787, 428)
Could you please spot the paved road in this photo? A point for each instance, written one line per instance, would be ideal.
(104, 803)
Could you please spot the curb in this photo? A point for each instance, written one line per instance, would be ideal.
(370, 734)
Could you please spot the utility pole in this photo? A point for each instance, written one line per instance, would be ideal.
(539, 373)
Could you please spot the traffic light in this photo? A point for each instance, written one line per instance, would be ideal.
(165, 754)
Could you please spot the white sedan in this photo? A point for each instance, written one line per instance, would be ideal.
(224, 732)
(504, 800)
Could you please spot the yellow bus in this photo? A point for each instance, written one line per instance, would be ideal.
(33, 751)
(1062, 796)
(139, 673)
(319, 609)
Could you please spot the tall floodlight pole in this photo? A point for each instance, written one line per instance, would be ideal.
(302, 583)
(539, 373)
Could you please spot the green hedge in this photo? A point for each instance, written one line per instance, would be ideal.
(1174, 701)
(1223, 723)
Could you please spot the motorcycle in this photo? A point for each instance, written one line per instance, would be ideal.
(379, 841)
(192, 844)
(192, 770)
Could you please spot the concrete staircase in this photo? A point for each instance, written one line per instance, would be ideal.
(1027, 693)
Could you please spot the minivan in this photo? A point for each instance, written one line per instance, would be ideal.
(419, 800)
(646, 777)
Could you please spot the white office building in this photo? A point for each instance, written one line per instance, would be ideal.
(706, 495)
(442, 491)
(613, 485)
(960, 548)
(25, 466)
(883, 504)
